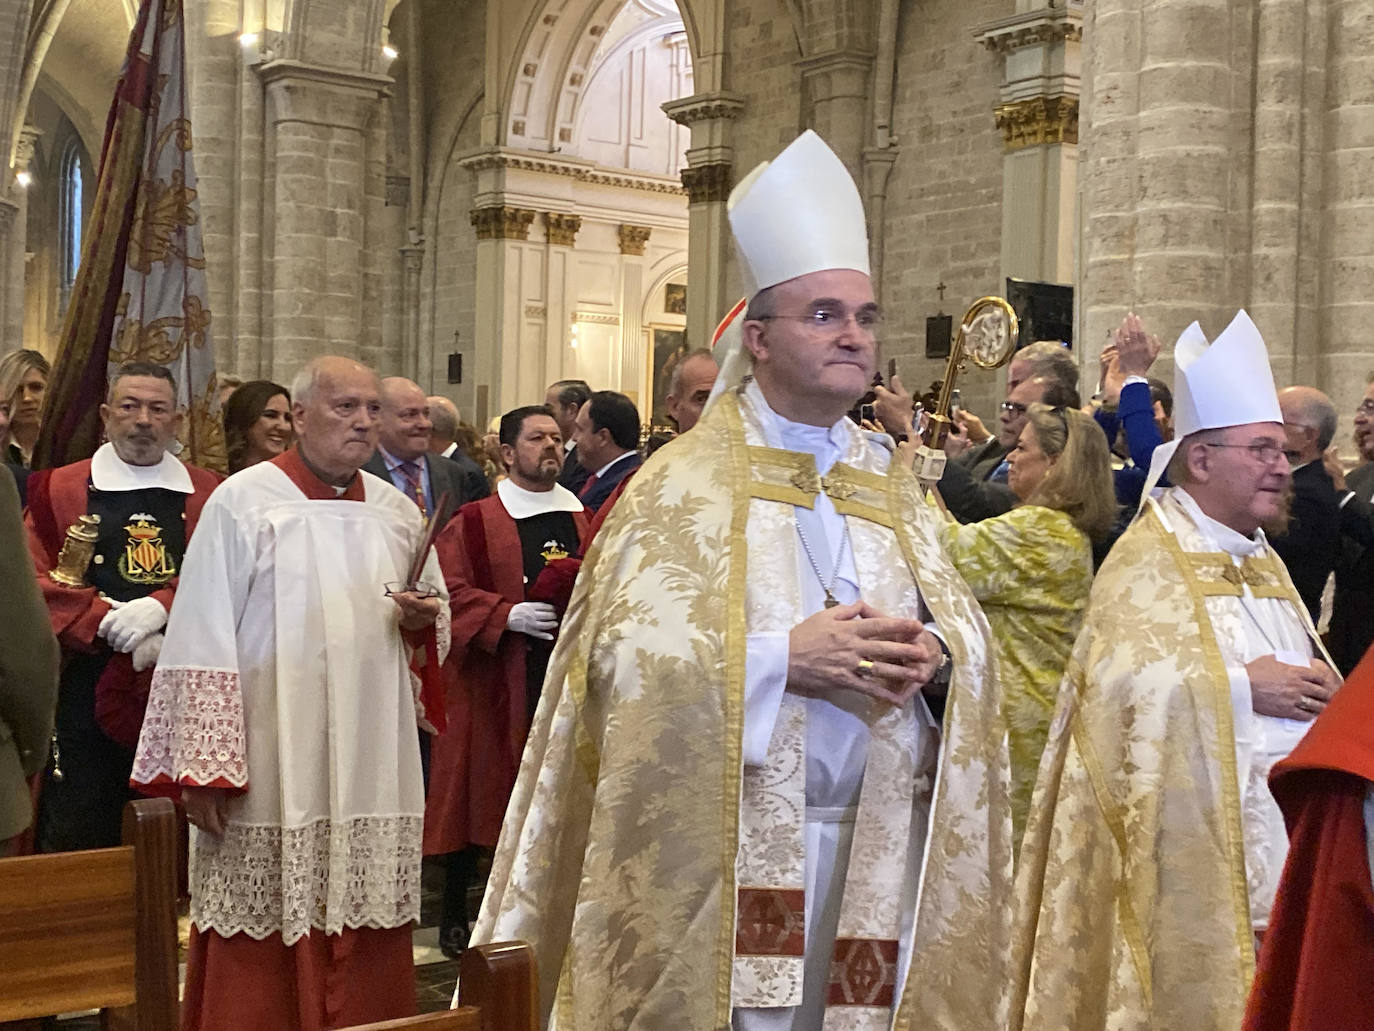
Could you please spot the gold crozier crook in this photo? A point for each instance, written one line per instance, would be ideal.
(987, 337)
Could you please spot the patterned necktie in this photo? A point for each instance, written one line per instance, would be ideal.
(411, 471)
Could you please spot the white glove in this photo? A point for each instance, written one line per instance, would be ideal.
(147, 651)
(129, 622)
(535, 618)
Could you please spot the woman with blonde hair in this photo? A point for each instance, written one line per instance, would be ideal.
(23, 382)
(1031, 570)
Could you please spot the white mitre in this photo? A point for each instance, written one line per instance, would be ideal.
(797, 214)
(1226, 384)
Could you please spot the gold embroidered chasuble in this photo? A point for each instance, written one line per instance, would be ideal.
(618, 858)
(1133, 911)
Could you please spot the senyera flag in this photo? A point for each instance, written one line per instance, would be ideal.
(140, 291)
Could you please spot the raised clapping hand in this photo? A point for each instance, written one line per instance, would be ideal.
(825, 652)
(1293, 692)
(205, 808)
(1136, 350)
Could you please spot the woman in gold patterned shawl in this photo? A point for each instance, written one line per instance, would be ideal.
(1031, 570)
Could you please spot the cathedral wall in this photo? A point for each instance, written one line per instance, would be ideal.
(943, 219)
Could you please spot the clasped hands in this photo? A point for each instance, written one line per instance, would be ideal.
(857, 648)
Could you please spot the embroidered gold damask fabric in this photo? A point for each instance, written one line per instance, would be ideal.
(1132, 905)
(617, 861)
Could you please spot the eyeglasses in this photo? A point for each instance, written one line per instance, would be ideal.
(1014, 408)
(826, 319)
(1262, 451)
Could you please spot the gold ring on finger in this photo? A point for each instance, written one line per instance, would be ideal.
(864, 668)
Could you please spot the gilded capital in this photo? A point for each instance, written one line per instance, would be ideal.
(562, 229)
(633, 238)
(708, 182)
(1037, 120)
(499, 222)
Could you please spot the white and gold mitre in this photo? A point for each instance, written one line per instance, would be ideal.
(797, 214)
(1228, 383)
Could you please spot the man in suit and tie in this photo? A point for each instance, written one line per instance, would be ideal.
(1352, 612)
(403, 457)
(607, 435)
(565, 399)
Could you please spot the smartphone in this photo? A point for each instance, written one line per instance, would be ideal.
(867, 413)
(891, 370)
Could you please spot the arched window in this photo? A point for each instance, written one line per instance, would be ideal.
(69, 215)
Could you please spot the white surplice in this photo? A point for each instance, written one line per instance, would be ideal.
(285, 674)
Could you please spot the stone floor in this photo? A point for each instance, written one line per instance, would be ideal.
(435, 975)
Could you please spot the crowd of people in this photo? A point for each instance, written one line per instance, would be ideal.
(750, 730)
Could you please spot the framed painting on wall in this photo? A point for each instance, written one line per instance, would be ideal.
(669, 345)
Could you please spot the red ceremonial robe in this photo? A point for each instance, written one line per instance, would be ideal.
(1314, 963)
(323, 981)
(474, 761)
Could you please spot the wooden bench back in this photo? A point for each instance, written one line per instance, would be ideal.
(82, 930)
(500, 980)
(464, 1019)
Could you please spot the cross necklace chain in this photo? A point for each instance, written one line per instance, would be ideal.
(830, 600)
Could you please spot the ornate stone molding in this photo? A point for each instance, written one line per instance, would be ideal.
(502, 223)
(535, 311)
(596, 317)
(582, 172)
(1046, 25)
(701, 107)
(562, 229)
(25, 144)
(633, 238)
(1037, 120)
(710, 182)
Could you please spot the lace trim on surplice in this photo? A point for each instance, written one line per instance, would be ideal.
(193, 729)
(360, 872)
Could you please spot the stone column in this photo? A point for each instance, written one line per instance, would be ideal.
(1038, 114)
(707, 178)
(560, 232)
(1343, 168)
(835, 86)
(496, 349)
(633, 241)
(319, 122)
(14, 212)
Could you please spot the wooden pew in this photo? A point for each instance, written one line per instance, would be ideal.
(97, 929)
(497, 992)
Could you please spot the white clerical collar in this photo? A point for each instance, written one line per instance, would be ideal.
(521, 503)
(825, 443)
(602, 471)
(569, 444)
(111, 473)
(1228, 540)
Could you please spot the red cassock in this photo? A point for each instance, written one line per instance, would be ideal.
(1317, 955)
(473, 763)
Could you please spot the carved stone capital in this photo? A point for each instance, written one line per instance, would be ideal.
(1038, 120)
(633, 238)
(709, 182)
(500, 222)
(562, 229)
(701, 107)
(1030, 28)
(25, 144)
